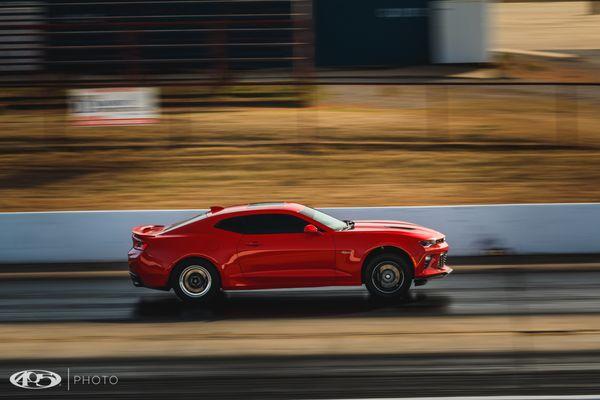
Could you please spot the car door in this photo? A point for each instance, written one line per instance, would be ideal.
(275, 251)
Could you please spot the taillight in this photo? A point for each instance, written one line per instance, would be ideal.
(138, 244)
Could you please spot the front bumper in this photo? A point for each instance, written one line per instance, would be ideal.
(437, 274)
(433, 264)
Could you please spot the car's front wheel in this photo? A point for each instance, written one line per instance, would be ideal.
(196, 281)
(388, 276)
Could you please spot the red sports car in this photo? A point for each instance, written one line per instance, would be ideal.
(283, 245)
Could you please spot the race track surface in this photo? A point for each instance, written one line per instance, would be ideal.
(487, 293)
(552, 293)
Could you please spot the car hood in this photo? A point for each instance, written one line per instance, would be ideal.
(396, 226)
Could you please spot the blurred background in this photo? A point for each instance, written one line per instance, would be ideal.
(183, 104)
(332, 103)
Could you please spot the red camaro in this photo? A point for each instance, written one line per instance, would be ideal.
(283, 245)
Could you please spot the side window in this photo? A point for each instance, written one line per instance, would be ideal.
(235, 224)
(262, 224)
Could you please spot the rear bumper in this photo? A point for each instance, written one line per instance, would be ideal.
(146, 272)
(137, 282)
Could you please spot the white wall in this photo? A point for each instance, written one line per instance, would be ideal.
(470, 230)
(459, 31)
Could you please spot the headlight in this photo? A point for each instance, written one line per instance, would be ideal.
(428, 242)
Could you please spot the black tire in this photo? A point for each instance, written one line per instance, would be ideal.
(196, 281)
(388, 276)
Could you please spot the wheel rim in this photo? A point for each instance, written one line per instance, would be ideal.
(195, 281)
(387, 277)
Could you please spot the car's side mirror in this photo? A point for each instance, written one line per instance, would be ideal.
(311, 229)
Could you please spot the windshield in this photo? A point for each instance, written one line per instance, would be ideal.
(187, 221)
(324, 219)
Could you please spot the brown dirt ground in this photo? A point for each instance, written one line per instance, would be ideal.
(301, 337)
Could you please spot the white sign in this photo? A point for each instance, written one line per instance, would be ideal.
(114, 106)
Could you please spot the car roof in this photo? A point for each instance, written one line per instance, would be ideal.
(272, 206)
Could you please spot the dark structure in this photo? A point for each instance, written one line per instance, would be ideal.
(151, 35)
(373, 32)
(162, 36)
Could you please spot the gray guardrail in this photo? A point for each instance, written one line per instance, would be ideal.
(105, 236)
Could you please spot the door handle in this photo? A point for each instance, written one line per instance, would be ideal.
(253, 244)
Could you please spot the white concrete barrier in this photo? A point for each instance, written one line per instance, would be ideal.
(105, 236)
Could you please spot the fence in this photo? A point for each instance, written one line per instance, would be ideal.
(139, 37)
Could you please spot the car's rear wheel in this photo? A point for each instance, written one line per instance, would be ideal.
(388, 276)
(196, 281)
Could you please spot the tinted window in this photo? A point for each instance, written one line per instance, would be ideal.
(235, 224)
(263, 224)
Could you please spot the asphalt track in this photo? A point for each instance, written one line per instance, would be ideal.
(482, 293)
(485, 293)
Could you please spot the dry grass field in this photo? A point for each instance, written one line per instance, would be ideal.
(357, 145)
